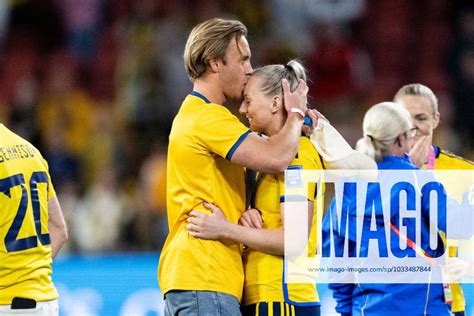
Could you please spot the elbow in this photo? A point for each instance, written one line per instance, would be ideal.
(278, 165)
(63, 235)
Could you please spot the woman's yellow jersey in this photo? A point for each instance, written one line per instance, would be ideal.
(25, 245)
(445, 160)
(264, 272)
(202, 140)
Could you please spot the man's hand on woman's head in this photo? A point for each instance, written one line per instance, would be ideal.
(298, 98)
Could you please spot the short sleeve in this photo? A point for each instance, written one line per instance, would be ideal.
(51, 191)
(220, 131)
(294, 188)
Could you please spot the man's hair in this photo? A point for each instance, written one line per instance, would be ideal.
(418, 90)
(209, 40)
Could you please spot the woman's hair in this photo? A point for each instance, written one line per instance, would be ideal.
(382, 125)
(272, 75)
(418, 90)
(209, 40)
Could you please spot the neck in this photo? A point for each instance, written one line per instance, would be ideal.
(210, 90)
(395, 150)
(277, 124)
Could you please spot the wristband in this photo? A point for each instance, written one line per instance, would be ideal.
(296, 110)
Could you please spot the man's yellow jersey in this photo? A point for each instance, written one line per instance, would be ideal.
(25, 245)
(203, 138)
(445, 160)
(264, 272)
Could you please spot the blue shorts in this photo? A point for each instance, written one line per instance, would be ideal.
(279, 309)
(200, 303)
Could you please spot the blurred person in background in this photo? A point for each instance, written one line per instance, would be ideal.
(460, 67)
(265, 292)
(82, 21)
(99, 216)
(64, 101)
(208, 149)
(32, 229)
(152, 191)
(422, 104)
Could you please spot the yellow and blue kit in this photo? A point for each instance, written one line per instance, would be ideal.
(264, 290)
(203, 138)
(25, 244)
(445, 160)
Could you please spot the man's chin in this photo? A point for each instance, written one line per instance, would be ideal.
(235, 99)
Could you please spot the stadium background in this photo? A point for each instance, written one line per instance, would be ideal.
(95, 84)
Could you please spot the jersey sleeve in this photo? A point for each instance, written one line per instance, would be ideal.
(51, 191)
(294, 187)
(220, 131)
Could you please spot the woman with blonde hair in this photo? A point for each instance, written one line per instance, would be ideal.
(388, 136)
(265, 292)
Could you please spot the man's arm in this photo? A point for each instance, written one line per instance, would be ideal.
(56, 226)
(274, 154)
(215, 226)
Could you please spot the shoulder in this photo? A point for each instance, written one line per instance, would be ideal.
(394, 162)
(307, 155)
(448, 160)
(11, 139)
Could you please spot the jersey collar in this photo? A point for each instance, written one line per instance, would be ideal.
(200, 96)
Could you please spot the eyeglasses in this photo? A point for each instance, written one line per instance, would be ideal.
(412, 132)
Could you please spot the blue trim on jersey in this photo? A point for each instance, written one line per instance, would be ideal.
(237, 144)
(295, 167)
(287, 297)
(200, 96)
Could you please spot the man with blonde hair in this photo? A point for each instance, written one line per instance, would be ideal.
(208, 150)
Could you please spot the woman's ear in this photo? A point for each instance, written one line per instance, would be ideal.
(276, 103)
(436, 120)
(401, 138)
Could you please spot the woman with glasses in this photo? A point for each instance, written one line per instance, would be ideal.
(422, 104)
(388, 137)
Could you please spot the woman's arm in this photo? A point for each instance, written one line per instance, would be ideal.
(216, 227)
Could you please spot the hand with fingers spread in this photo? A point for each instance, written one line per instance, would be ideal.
(251, 218)
(212, 226)
(419, 152)
(298, 98)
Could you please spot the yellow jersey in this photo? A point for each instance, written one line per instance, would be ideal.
(445, 160)
(25, 245)
(264, 272)
(203, 138)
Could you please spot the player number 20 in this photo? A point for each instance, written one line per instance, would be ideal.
(12, 243)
